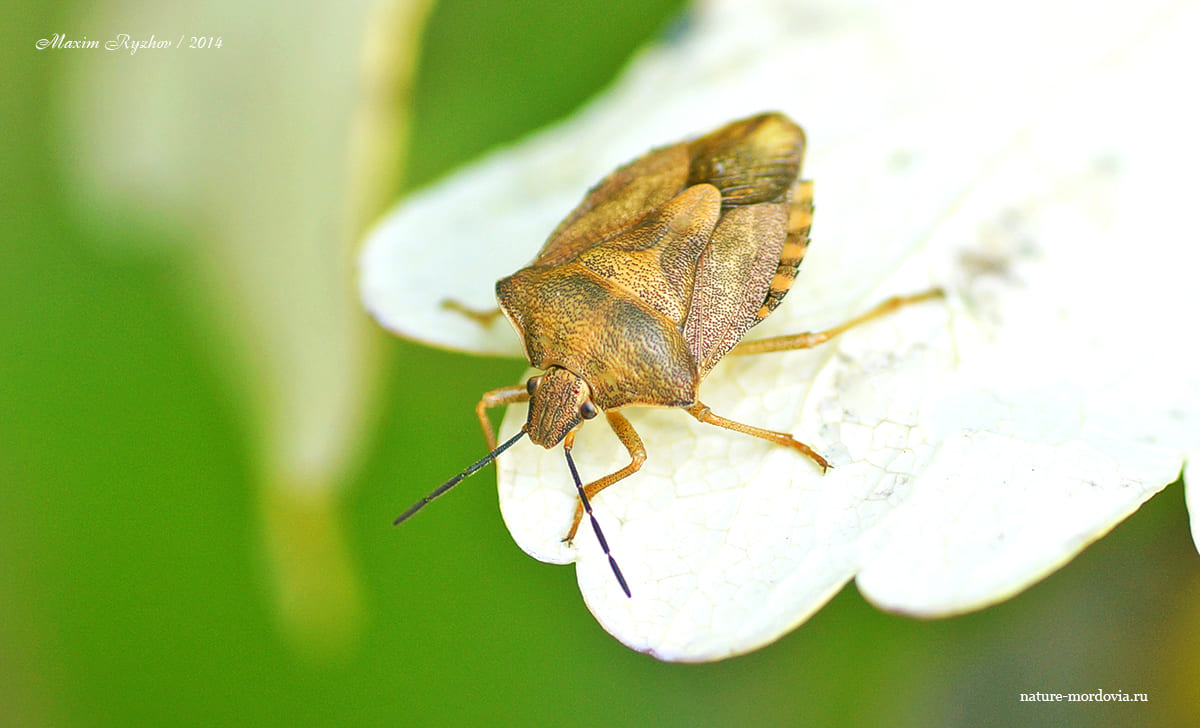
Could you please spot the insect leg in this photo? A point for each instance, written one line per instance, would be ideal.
(483, 318)
(587, 506)
(637, 454)
(809, 340)
(495, 398)
(701, 412)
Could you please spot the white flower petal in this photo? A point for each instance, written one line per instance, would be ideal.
(978, 442)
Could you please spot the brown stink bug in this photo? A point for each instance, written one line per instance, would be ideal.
(651, 281)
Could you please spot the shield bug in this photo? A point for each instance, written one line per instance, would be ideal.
(652, 280)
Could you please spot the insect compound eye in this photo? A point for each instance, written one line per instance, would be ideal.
(587, 410)
(532, 384)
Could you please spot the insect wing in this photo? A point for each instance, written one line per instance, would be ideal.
(732, 280)
(751, 161)
(753, 255)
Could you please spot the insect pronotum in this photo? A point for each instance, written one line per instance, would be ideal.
(648, 283)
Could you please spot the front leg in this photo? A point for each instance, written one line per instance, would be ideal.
(637, 454)
(495, 398)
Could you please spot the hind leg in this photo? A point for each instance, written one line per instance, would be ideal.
(811, 339)
(701, 412)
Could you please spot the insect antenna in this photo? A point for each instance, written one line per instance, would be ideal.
(441, 489)
(587, 506)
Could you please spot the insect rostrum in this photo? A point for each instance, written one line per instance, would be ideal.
(653, 279)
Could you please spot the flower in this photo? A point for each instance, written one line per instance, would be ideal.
(978, 443)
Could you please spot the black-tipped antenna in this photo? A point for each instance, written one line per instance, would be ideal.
(596, 524)
(441, 489)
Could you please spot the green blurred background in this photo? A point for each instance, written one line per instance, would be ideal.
(162, 564)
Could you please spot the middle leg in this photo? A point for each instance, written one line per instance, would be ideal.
(701, 412)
